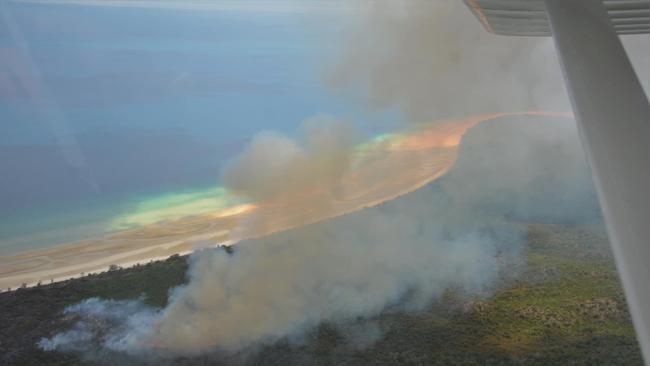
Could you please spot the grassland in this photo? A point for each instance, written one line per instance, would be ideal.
(563, 305)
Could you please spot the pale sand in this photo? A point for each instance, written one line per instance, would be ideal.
(384, 172)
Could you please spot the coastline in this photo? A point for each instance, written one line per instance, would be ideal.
(421, 157)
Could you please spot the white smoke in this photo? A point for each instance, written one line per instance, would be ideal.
(108, 319)
(281, 286)
(429, 59)
(274, 167)
(404, 253)
(433, 60)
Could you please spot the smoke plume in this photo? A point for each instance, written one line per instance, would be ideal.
(429, 59)
(433, 60)
(451, 234)
(275, 167)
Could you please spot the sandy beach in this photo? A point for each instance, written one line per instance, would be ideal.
(382, 171)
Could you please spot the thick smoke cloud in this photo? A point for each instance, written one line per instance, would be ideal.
(429, 59)
(280, 172)
(275, 167)
(452, 234)
(336, 271)
(433, 60)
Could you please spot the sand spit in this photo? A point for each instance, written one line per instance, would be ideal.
(384, 170)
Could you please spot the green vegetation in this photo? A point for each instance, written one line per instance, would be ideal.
(27, 315)
(565, 306)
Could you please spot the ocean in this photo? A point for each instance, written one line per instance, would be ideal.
(114, 117)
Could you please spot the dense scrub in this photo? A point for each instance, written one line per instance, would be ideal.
(565, 306)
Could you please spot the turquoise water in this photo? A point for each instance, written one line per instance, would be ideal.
(47, 226)
(118, 117)
(77, 220)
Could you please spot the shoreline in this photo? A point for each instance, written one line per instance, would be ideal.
(422, 156)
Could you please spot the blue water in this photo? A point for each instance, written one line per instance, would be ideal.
(103, 107)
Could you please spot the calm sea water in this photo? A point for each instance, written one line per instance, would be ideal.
(108, 112)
